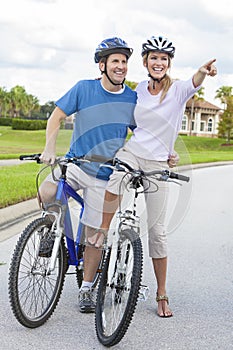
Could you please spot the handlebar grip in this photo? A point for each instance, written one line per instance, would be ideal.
(179, 177)
(30, 157)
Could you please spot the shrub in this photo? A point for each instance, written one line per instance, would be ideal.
(23, 124)
(4, 121)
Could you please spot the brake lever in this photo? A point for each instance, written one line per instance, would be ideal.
(176, 182)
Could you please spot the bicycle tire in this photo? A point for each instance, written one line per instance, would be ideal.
(34, 294)
(80, 269)
(117, 299)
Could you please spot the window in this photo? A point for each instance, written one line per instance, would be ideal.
(210, 125)
(184, 123)
(202, 126)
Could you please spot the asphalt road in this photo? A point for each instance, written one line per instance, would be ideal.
(200, 282)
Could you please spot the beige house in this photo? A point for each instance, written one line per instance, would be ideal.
(201, 118)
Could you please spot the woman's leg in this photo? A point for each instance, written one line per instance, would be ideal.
(160, 270)
(156, 202)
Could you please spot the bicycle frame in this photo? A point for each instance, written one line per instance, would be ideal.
(64, 223)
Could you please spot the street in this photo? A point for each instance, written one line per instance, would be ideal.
(200, 283)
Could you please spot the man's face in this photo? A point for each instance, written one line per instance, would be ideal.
(116, 66)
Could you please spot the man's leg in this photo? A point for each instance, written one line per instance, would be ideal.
(47, 192)
(111, 203)
(92, 258)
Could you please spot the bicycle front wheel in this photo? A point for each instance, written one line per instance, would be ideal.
(33, 291)
(119, 288)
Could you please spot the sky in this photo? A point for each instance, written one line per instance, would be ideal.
(48, 45)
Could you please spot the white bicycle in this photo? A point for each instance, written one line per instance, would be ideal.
(120, 282)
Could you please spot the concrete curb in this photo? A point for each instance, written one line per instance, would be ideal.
(18, 212)
(15, 213)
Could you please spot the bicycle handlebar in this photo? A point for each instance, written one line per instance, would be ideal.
(94, 158)
(115, 163)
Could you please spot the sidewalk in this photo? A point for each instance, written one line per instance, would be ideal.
(18, 212)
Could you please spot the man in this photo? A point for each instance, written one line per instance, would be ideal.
(104, 112)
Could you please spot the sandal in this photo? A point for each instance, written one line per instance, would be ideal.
(165, 298)
(98, 233)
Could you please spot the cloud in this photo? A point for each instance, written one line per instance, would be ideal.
(47, 46)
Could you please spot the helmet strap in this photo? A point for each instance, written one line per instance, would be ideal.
(106, 73)
(156, 80)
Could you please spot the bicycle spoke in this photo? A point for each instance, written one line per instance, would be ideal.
(118, 289)
(34, 291)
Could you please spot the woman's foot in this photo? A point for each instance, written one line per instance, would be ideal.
(163, 308)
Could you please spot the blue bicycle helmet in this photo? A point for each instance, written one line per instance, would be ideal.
(110, 46)
(159, 44)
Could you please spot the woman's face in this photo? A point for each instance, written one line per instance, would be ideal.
(157, 64)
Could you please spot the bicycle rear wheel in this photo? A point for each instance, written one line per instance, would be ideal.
(119, 288)
(33, 292)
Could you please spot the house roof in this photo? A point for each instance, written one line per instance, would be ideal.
(202, 104)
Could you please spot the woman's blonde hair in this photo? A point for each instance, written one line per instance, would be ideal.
(167, 81)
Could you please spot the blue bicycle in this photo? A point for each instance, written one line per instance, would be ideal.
(45, 250)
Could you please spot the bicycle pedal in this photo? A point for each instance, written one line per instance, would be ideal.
(143, 293)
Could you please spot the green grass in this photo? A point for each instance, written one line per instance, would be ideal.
(202, 150)
(16, 142)
(17, 183)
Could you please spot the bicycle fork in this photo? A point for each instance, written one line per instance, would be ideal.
(118, 259)
(57, 229)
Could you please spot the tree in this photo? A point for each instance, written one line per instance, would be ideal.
(47, 108)
(31, 105)
(3, 101)
(131, 84)
(223, 93)
(225, 126)
(199, 95)
(18, 98)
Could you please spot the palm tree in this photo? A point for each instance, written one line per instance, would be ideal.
(4, 102)
(18, 97)
(223, 93)
(199, 95)
(31, 104)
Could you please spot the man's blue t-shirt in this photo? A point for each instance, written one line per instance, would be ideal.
(101, 121)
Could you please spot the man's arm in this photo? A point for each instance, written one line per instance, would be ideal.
(207, 69)
(54, 122)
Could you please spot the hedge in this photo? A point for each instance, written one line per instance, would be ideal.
(4, 121)
(23, 124)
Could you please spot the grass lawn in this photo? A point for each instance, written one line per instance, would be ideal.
(17, 183)
(16, 142)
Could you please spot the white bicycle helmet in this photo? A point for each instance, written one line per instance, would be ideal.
(159, 44)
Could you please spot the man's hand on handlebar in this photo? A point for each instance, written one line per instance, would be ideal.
(48, 157)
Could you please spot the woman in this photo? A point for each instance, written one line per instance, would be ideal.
(158, 115)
